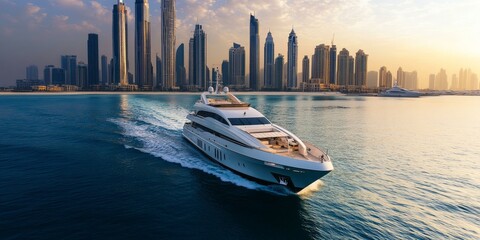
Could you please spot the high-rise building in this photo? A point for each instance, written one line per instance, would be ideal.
(254, 54)
(120, 44)
(279, 83)
(372, 79)
(93, 64)
(333, 64)
(199, 58)
(190, 61)
(343, 68)
(410, 80)
(361, 68)
(48, 75)
(269, 61)
(454, 85)
(159, 77)
(83, 75)
(58, 76)
(305, 69)
(225, 73)
(351, 68)
(382, 77)
(69, 65)
(292, 64)
(32, 72)
(104, 62)
(321, 63)
(180, 66)
(208, 79)
(400, 77)
(143, 53)
(236, 59)
(168, 43)
(389, 80)
(431, 82)
(214, 76)
(441, 80)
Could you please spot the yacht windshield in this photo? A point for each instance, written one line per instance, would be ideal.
(249, 121)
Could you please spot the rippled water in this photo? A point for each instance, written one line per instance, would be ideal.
(116, 166)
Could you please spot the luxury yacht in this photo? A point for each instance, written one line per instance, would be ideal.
(397, 91)
(243, 140)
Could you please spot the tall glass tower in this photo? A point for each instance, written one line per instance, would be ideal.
(269, 61)
(120, 51)
(168, 43)
(292, 61)
(143, 55)
(254, 54)
(93, 64)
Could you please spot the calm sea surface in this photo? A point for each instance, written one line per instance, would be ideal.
(117, 167)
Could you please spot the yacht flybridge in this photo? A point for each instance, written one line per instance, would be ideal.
(243, 140)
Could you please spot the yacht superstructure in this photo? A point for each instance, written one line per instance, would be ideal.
(240, 138)
(397, 91)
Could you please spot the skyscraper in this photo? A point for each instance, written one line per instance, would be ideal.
(58, 76)
(104, 62)
(190, 61)
(390, 79)
(292, 64)
(431, 82)
(279, 82)
(351, 68)
(333, 64)
(48, 74)
(382, 77)
(343, 68)
(93, 64)
(143, 54)
(199, 58)
(441, 80)
(69, 65)
(168, 43)
(400, 77)
(236, 57)
(32, 72)
(321, 63)
(372, 79)
(305, 69)
(225, 73)
(269, 61)
(83, 73)
(180, 73)
(159, 77)
(254, 54)
(361, 68)
(120, 45)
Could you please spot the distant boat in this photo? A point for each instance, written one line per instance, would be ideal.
(397, 91)
(240, 138)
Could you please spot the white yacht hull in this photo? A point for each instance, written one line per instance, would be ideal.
(261, 166)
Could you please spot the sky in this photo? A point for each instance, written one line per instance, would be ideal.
(420, 35)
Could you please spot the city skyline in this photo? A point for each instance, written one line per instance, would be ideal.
(425, 53)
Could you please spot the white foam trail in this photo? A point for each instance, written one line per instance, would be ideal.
(158, 128)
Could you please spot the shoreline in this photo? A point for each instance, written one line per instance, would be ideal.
(167, 93)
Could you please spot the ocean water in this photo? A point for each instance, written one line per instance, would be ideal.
(117, 167)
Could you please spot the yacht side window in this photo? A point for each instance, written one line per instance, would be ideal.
(215, 116)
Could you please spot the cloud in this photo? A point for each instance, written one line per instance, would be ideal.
(62, 22)
(70, 3)
(99, 9)
(35, 14)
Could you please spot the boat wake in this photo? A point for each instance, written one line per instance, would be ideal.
(156, 128)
